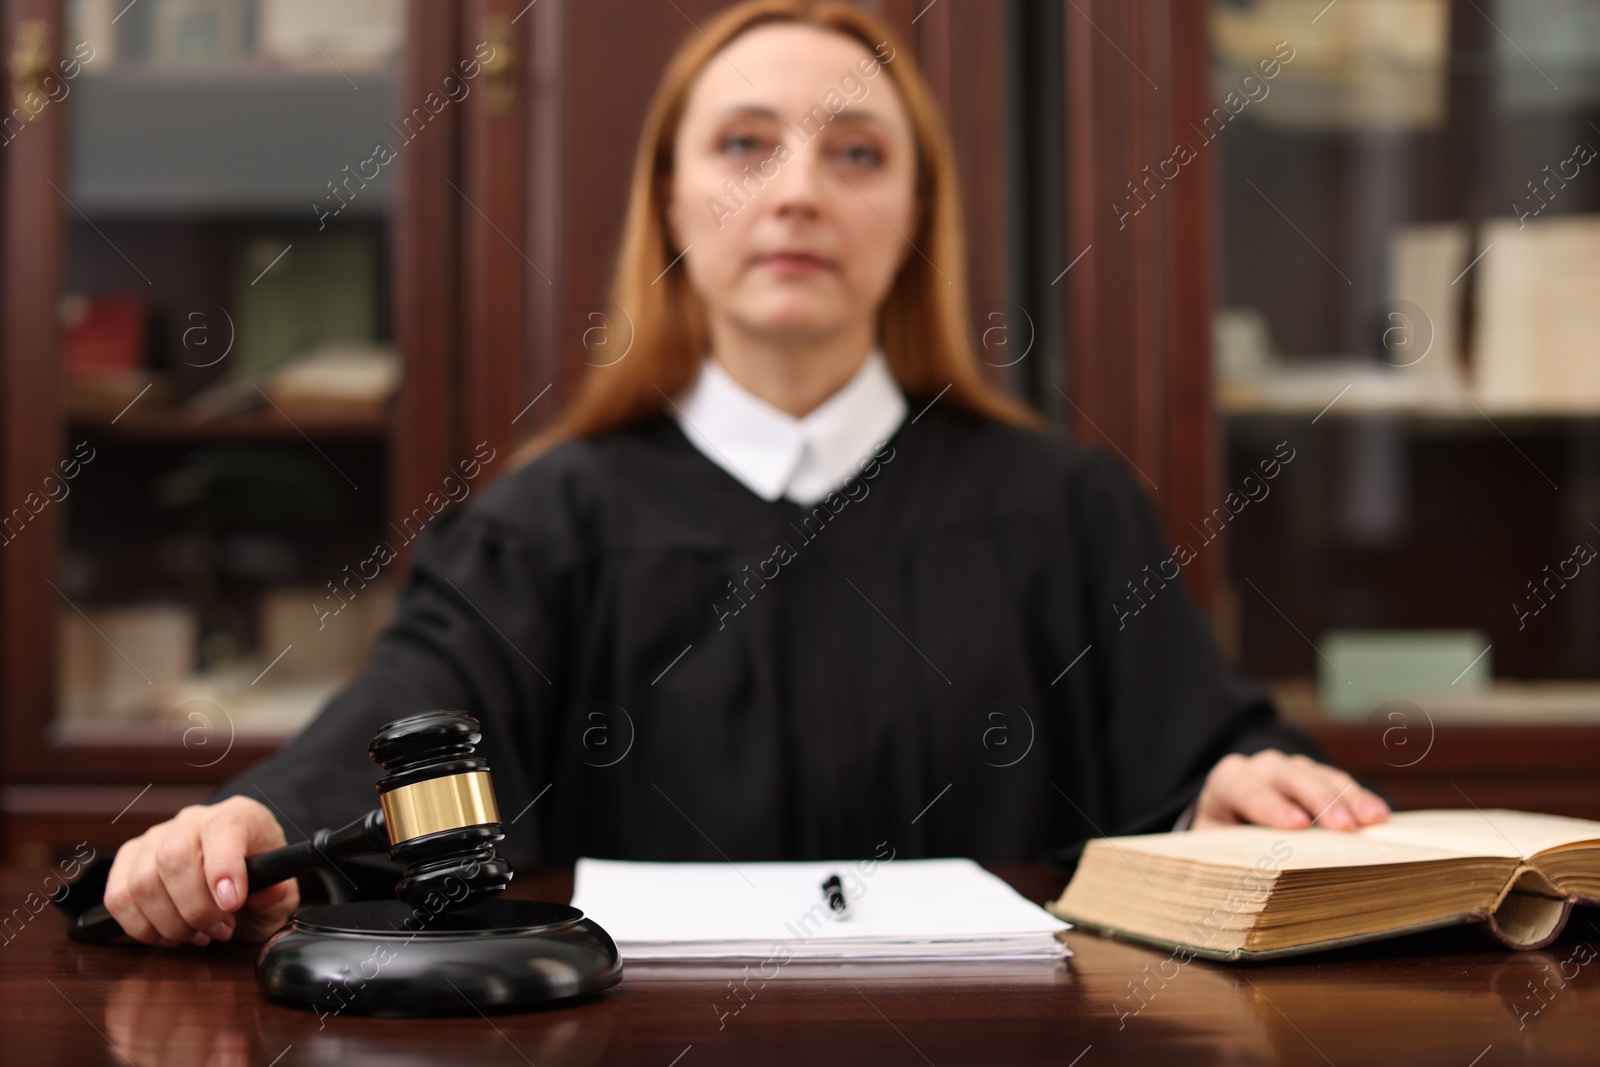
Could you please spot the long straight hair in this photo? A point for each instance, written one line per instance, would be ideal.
(922, 323)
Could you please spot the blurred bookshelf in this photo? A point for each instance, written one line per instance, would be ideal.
(208, 428)
(1408, 295)
(227, 373)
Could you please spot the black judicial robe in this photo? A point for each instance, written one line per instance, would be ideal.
(944, 658)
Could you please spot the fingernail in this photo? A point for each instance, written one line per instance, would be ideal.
(227, 894)
(166, 943)
(222, 931)
(200, 939)
(1373, 808)
(1339, 819)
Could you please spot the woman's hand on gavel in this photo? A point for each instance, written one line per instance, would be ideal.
(184, 879)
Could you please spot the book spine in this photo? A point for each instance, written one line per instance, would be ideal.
(1531, 911)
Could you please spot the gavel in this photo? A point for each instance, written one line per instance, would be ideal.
(436, 815)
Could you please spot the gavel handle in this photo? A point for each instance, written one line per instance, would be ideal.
(325, 848)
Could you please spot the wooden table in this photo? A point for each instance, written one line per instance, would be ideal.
(1444, 998)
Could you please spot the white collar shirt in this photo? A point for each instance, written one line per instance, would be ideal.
(777, 455)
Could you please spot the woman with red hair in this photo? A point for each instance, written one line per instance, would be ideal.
(788, 580)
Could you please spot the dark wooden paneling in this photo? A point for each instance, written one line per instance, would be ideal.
(590, 86)
(1141, 296)
(30, 392)
(962, 47)
(493, 230)
(426, 315)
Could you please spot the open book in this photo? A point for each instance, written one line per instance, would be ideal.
(1253, 892)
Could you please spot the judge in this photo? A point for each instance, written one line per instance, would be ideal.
(788, 580)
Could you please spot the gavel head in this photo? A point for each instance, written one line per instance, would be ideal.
(438, 802)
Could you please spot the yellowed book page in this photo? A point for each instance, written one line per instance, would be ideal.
(1489, 832)
(1268, 849)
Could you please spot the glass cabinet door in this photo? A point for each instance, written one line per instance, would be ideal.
(1408, 301)
(226, 361)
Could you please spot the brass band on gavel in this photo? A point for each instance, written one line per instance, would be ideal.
(447, 803)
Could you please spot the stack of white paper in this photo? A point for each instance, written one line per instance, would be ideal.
(941, 909)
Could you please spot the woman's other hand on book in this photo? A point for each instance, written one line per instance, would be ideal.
(1290, 792)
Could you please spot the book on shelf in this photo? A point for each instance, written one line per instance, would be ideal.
(337, 381)
(315, 32)
(292, 295)
(1539, 314)
(103, 335)
(1255, 892)
(1371, 64)
(1422, 320)
(1536, 292)
(188, 32)
(312, 640)
(123, 661)
(331, 383)
(1360, 670)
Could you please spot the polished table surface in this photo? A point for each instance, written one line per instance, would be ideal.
(1447, 997)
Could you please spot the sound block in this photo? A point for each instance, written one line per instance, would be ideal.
(383, 957)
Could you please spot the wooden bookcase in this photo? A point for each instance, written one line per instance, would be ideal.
(62, 782)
